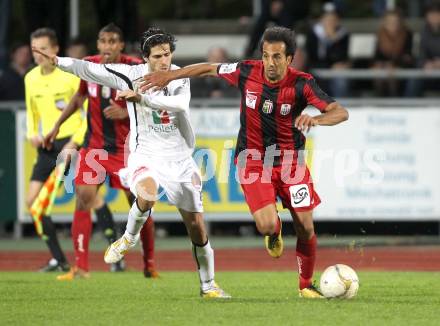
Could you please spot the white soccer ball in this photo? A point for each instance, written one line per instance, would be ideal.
(339, 281)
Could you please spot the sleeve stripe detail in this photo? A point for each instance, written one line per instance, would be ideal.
(130, 85)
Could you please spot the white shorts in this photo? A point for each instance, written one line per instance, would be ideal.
(180, 180)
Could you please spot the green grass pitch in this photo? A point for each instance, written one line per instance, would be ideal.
(259, 298)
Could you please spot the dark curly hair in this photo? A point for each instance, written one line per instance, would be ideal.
(155, 36)
(280, 34)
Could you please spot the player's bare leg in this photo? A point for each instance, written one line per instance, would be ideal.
(146, 190)
(147, 242)
(305, 252)
(81, 231)
(269, 224)
(59, 261)
(203, 255)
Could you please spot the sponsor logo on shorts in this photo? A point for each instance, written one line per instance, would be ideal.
(138, 171)
(267, 107)
(300, 195)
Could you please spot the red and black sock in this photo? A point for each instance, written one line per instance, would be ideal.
(305, 255)
(81, 231)
(147, 240)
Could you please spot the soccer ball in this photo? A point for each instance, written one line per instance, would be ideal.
(339, 281)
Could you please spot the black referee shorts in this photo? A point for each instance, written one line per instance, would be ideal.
(47, 159)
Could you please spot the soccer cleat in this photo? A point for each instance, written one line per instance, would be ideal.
(310, 292)
(54, 266)
(118, 266)
(214, 292)
(74, 273)
(274, 243)
(151, 273)
(116, 251)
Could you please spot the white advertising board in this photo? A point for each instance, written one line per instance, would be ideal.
(382, 164)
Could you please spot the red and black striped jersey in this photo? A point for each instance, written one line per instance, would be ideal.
(268, 110)
(103, 133)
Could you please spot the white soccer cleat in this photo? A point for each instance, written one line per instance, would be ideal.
(116, 251)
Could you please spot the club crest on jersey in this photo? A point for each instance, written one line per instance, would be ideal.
(60, 104)
(106, 92)
(92, 89)
(285, 109)
(251, 99)
(267, 107)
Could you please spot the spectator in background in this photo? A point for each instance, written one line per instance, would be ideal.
(12, 78)
(77, 49)
(5, 8)
(281, 12)
(430, 38)
(214, 87)
(429, 53)
(327, 47)
(393, 51)
(300, 60)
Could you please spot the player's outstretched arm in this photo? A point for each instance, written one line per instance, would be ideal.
(160, 79)
(111, 75)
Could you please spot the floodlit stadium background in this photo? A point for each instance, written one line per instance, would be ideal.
(377, 175)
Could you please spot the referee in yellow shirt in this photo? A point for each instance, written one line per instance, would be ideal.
(48, 91)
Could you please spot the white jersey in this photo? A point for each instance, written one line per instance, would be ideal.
(159, 124)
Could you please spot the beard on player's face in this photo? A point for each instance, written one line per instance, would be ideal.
(275, 60)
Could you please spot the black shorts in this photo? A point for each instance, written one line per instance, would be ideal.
(47, 159)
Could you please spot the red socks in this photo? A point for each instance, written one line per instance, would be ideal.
(81, 231)
(147, 240)
(277, 227)
(305, 255)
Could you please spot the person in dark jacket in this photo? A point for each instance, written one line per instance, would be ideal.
(327, 47)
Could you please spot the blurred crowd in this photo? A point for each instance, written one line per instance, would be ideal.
(326, 43)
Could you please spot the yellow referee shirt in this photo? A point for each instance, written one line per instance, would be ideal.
(46, 97)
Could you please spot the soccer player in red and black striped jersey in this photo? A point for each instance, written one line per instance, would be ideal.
(102, 154)
(271, 140)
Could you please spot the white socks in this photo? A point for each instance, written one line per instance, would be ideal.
(136, 219)
(204, 257)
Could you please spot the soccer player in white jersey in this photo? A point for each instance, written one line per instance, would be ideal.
(161, 143)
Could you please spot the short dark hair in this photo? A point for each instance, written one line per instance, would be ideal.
(280, 34)
(45, 32)
(113, 28)
(155, 36)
